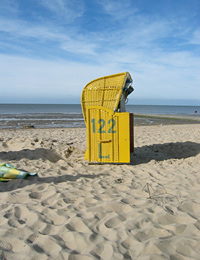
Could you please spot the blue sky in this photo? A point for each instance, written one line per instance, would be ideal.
(50, 49)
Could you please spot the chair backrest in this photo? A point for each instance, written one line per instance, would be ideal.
(105, 92)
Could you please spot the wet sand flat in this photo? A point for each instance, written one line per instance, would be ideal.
(61, 120)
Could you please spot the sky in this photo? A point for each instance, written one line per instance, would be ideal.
(50, 49)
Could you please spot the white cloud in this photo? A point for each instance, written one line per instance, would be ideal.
(70, 42)
(35, 78)
(9, 7)
(67, 10)
(196, 37)
(25, 78)
(137, 45)
(137, 33)
(118, 10)
(79, 47)
(20, 28)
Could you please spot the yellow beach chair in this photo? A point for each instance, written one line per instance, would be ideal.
(109, 127)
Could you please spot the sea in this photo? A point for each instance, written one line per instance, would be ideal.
(16, 116)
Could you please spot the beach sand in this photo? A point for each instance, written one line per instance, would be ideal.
(149, 209)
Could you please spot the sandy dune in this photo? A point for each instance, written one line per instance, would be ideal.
(149, 209)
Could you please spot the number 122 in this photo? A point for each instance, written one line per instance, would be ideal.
(102, 123)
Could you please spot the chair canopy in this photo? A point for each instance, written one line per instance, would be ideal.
(106, 92)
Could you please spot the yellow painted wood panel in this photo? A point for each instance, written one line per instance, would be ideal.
(124, 137)
(108, 136)
(102, 135)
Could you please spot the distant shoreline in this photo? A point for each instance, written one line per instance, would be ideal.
(155, 119)
(48, 121)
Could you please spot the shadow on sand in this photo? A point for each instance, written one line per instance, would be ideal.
(21, 183)
(161, 152)
(36, 154)
(144, 154)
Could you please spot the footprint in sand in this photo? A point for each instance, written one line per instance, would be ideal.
(114, 222)
(4, 246)
(35, 195)
(47, 230)
(69, 151)
(104, 251)
(14, 217)
(17, 212)
(78, 225)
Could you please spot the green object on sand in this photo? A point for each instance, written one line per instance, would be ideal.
(9, 172)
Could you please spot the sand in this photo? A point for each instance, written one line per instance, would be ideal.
(149, 209)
